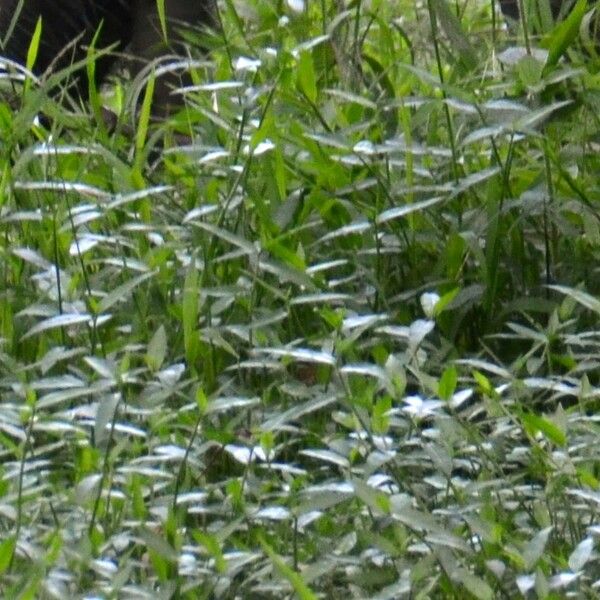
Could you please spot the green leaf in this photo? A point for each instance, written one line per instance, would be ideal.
(377, 501)
(306, 78)
(162, 17)
(530, 71)
(7, 549)
(534, 549)
(448, 381)
(141, 134)
(295, 579)
(201, 400)
(213, 547)
(484, 383)
(191, 335)
(453, 30)
(581, 555)
(104, 417)
(94, 96)
(445, 300)
(547, 428)
(158, 544)
(580, 296)
(157, 349)
(473, 584)
(121, 293)
(563, 35)
(34, 46)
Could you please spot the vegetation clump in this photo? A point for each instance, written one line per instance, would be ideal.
(330, 330)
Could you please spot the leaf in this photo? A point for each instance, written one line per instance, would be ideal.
(87, 489)
(223, 403)
(547, 428)
(406, 209)
(535, 547)
(580, 296)
(447, 384)
(246, 246)
(301, 354)
(530, 71)
(326, 456)
(103, 367)
(563, 35)
(306, 76)
(104, 416)
(162, 17)
(190, 300)
(473, 584)
(34, 46)
(122, 292)
(377, 501)
(57, 322)
(157, 349)
(453, 30)
(7, 549)
(581, 555)
(158, 544)
(213, 547)
(295, 579)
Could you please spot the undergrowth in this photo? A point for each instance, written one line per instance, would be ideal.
(329, 331)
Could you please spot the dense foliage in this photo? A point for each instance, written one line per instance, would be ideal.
(329, 332)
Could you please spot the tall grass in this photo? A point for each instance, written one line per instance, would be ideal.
(328, 331)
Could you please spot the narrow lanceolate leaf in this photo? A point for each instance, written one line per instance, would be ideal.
(579, 296)
(564, 34)
(581, 555)
(535, 547)
(122, 292)
(104, 417)
(546, 427)
(160, 6)
(58, 321)
(406, 209)
(448, 382)
(302, 354)
(452, 28)
(295, 579)
(475, 585)
(7, 548)
(190, 314)
(306, 76)
(157, 349)
(158, 544)
(34, 46)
